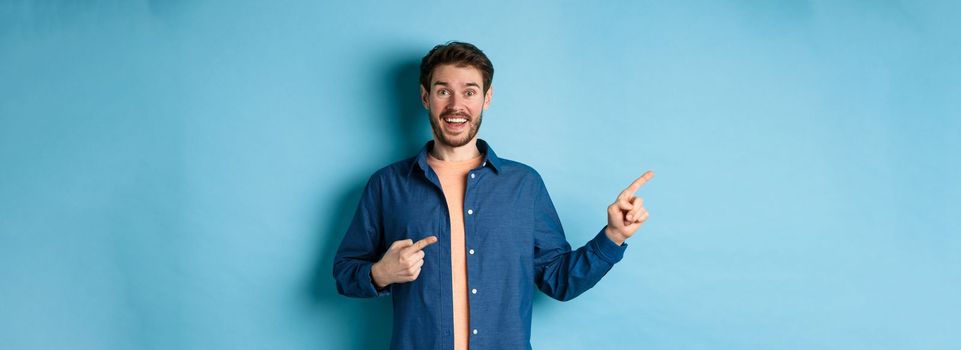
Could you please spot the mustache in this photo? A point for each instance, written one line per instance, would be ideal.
(446, 114)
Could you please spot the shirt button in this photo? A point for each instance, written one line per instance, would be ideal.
(470, 211)
(471, 252)
(474, 291)
(475, 330)
(472, 175)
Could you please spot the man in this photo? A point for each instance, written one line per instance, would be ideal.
(459, 237)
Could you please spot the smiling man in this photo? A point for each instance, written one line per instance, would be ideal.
(460, 237)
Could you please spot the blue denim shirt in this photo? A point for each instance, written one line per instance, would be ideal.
(514, 243)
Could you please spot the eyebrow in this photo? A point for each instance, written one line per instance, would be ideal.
(444, 83)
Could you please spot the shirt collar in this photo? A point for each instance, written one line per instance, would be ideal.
(490, 158)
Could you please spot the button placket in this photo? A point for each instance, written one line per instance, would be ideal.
(470, 212)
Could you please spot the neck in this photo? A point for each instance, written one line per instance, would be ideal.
(455, 154)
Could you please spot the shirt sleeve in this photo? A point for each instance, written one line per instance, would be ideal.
(560, 272)
(361, 247)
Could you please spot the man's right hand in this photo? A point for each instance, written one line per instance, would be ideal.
(401, 263)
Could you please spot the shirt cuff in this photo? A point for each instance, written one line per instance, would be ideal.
(607, 249)
(365, 275)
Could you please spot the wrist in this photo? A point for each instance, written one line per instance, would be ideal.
(376, 277)
(615, 237)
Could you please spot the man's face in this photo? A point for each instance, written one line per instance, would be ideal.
(455, 103)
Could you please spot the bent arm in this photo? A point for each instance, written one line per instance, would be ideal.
(560, 272)
(361, 247)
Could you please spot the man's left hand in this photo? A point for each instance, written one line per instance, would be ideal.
(627, 213)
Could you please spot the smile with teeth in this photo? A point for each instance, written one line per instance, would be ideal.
(455, 120)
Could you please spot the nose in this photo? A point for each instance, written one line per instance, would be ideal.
(455, 102)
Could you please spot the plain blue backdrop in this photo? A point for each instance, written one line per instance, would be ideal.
(176, 174)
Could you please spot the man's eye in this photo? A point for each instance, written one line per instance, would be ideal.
(443, 92)
(471, 93)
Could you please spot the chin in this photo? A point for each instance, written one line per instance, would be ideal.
(455, 142)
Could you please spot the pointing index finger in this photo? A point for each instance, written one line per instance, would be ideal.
(648, 175)
(423, 243)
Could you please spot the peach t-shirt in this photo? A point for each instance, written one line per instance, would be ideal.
(453, 180)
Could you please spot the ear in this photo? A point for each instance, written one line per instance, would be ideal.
(488, 96)
(424, 97)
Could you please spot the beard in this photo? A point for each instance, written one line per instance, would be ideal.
(473, 125)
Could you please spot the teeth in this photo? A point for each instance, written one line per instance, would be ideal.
(455, 120)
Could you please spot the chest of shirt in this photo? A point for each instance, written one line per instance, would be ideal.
(498, 213)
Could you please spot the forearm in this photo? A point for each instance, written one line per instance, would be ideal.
(572, 273)
(354, 279)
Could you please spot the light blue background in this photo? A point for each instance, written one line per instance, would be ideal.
(177, 174)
